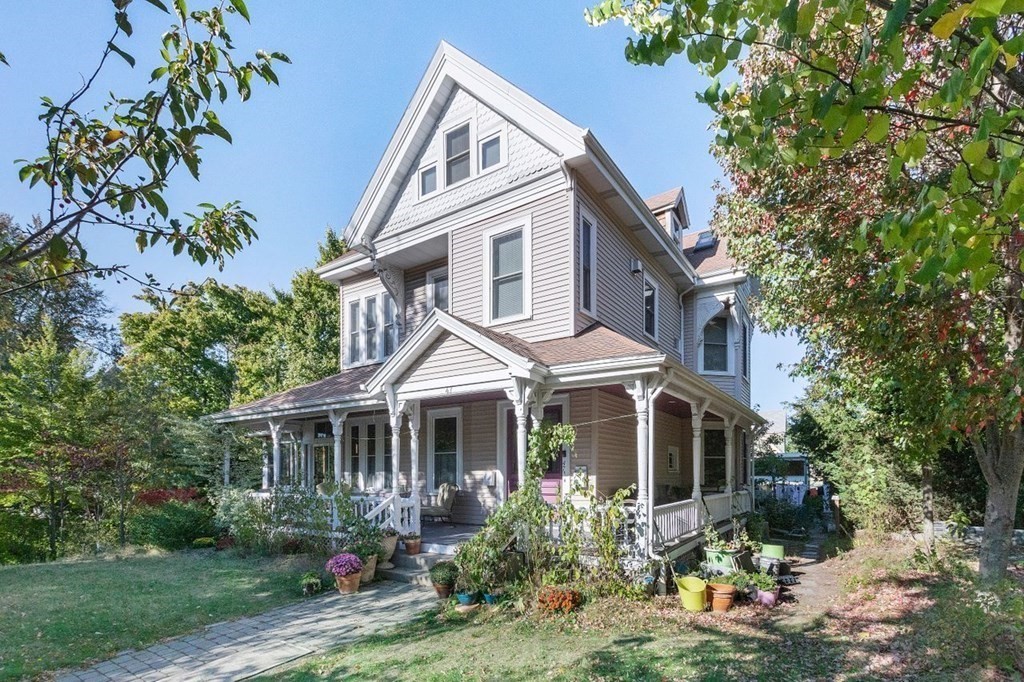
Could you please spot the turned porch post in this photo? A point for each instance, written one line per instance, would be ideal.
(638, 390)
(521, 394)
(697, 422)
(730, 455)
(266, 467)
(338, 428)
(413, 413)
(275, 435)
(396, 408)
(227, 465)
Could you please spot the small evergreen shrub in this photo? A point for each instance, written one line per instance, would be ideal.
(444, 573)
(172, 525)
(204, 543)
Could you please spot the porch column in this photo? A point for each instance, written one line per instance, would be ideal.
(396, 408)
(275, 435)
(521, 394)
(227, 466)
(338, 428)
(697, 422)
(413, 412)
(306, 454)
(266, 466)
(730, 455)
(641, 399)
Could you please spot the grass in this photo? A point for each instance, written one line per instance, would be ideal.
(67, 614)
(891, 616)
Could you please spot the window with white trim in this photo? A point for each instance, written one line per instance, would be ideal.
(428, 180)
(437, 289)
(745, 341)
(507, 276)
(491, 151)
(444, 440)
(676, 227)
(370, 329)
(456, 155)
(355, 322)
(716, 345)
(714, 458)
(390, 339)
(588, 263)
(650, 307)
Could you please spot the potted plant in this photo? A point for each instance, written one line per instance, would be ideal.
(310, 583)
(722, 595)
(366, 550)
(346, 569)
(767, 588)
(412, 543)
(388, 546)
(443, 575)
(717, 551)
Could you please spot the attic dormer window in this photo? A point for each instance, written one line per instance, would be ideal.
(456, 155)
(676, 227)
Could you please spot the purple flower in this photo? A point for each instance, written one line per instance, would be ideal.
(344, 564)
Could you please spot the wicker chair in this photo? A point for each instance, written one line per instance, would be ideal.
(443, 503)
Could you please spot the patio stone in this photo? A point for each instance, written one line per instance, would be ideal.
(242, 648)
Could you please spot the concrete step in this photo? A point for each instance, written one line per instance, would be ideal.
(405, 575)
(422, 561)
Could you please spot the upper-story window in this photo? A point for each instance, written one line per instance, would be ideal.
(716, 345)
(746, 350)
(507, 277)
(437, 289)
(372, 329)
(676, 227)
(588, 263)
(428, 180)
(650, 307)
(456, 155)
(490, 152)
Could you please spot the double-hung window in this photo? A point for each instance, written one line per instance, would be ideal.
(588, 263)
(390, 326)
(714, 458)
(456, 155)
(746, 350)
(355, 322)
(650, 308)
(507, 252)
(370, 329)
(437, 289)
(445, 447)
(716, 345)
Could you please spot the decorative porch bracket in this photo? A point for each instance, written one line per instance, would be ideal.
(338, 429)
(393, 280)
(522, 393)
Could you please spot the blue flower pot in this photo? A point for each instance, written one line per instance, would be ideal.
(466, 598)
(491, 599)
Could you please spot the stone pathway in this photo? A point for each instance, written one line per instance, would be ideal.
(238, 649)
(818, 585)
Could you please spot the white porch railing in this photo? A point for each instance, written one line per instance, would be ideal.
(741, 503)
(719, 506)
(390, 509)
(676, 520)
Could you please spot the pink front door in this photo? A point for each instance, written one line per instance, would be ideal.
(552, 479)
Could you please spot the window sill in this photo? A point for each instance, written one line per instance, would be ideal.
(717, 373)
(507, 320)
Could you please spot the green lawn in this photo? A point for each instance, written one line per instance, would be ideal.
(65, 614)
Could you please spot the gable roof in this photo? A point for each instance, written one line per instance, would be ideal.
(667, 199)
(447, 69)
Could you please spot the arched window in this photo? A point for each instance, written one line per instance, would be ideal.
(716, 345)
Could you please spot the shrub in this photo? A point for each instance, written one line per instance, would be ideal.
(204, 543)
(444, 573)
(158, 496)
(344, 564)
(22, 537)
(172, 525)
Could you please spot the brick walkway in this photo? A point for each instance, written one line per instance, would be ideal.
(238, 649)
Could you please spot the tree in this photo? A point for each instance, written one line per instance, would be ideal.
(112, 170)
(874, 150)
(44, 433)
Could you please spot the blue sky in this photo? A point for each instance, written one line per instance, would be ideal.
(303, 153)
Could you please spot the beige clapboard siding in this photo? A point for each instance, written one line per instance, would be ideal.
(617, 448)
(416, 293)
(668, 430)
(447, 358)
(356, 288)
(581, 413)
(619, 291)
(551, 242)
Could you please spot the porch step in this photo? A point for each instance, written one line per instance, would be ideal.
(412, 569)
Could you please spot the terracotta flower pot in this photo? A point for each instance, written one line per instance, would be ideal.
(412, 547)
(369, 570)
(389, 544)
(443, 591)
(347, 584)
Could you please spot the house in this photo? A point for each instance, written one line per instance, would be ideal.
(503, 271)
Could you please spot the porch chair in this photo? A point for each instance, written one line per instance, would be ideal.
(443, 503)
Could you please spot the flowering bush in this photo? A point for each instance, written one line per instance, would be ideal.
(344, 564)
(558, 599)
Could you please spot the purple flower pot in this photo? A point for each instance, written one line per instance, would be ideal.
(768, 598)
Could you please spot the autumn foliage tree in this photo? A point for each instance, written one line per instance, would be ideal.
(874, 150)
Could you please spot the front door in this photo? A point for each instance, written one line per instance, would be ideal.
(552, 479)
